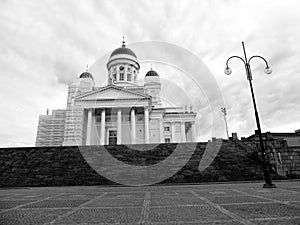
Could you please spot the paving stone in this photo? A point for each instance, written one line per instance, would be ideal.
(295, 203)
(168, 200)
(215, 222)
(116, 202)
(103, 215)
(264, 192)
(125, 195)
(263, 210)
(77, 196)
(297, 189)
(172, 194)
(279, 221)
(4, 196)
(235, 199)
(56, 204)
(285, 197)
(30, 217)
(28, 196)
(167, 205)
(186, 213)
(7, 204)
(217, 192)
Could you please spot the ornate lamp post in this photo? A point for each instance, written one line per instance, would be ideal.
(268, 70)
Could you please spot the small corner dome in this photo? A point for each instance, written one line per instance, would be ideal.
(151, 73)
(123, 50)
(86, 75)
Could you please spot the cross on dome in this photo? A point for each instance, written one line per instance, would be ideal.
(123, 42)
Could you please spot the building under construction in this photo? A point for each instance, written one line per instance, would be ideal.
(51, 128)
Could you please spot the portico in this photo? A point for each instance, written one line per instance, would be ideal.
(117, 125)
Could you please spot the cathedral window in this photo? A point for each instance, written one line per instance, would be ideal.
(128, 77)
(114, 77)
(167, 140)
(121, 68)
(166, 128)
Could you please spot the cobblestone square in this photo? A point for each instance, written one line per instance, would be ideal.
(235, 203)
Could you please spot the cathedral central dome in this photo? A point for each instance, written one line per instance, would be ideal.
(123, 50)
(122, 66)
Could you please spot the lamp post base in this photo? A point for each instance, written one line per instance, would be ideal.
(269, 186)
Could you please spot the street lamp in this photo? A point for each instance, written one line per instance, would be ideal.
(268, 70)
(223, 110)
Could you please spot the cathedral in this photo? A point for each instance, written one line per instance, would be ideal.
(122, 112)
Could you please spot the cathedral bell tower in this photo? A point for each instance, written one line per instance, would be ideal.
(153, 87)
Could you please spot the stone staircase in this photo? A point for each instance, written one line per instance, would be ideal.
(218, 161)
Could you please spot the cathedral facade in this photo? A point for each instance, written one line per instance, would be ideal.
(122, 112)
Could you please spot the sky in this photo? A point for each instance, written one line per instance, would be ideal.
(45, 45)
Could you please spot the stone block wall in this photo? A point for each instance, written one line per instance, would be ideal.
(61, 166)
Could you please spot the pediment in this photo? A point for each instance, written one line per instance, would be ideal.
(111, 93)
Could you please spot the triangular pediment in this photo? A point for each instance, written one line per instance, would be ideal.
(111, 92)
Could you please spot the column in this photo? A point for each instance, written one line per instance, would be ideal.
(193, 131)
(89, 127)
(183, 136)
(173, 131)
(102, 129)
(161, 131)
(119, 127)
(132, 120)
(146, 113)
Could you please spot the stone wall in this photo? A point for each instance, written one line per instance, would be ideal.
(57, 166)
(286, 161)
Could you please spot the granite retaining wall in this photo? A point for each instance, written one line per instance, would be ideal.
(62, 166)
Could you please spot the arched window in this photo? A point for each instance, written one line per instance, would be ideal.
(114, 74)
(121, 75)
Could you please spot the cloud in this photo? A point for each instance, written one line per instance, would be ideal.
(46, 44)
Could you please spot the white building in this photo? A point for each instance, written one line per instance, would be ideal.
(123, 112)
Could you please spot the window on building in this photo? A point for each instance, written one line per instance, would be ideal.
(121, 76)
(98, 118)
(129, 77)
(167, 140)
(114, 77)
(140, 117)
(166, 128)
(177, 127)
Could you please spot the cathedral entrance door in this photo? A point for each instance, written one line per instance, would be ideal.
(112, 137)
